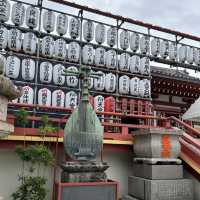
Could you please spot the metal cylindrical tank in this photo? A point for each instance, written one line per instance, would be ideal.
(27, 96)
(12, 67)
(28, 69)
(58, 98)
(46, 72)
(44, 97)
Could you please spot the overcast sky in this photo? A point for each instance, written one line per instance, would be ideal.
(182, 15)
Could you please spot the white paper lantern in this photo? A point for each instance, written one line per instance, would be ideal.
(99, 83)
(74, 28)
(72, 81)
(60, 49)
(112, 36)
(182, 54)
(47, 46)
(100, 33)
(12, 67)
(100, 56)
(134, 86)
(58, 78)
(46, 69)
(15, 39)
(88, 54)
(145, 88)
(49, 21)
(18, 13)
(124, 39)
(124, 84)
(134, 42)
(197, 56)
(32, 16)
(124, 62)
(62, 23)
(172, 51)
(88, 30)
(58, 98)
(29, 43)
(71, 100)
(111, 59)
(134, 64)
(164, 48)
(27, 96)
(73, 52)
(3, 63)
(155, 46)
(44, 97)
(3, 37)
(99, 103)
(4, 10)
(145, 65)
(144, 44)
(110, 82)
(28, 69)
(190, 55)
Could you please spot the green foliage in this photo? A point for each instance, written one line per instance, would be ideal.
(46, 126)
(21, 117)
(36, 154)
(32, 188)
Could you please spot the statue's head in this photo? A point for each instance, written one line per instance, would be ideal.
(2, 63)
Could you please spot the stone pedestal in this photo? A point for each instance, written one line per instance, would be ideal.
(146, 189)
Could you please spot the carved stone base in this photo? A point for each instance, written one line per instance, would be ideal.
(5, 129)
(83, 172)
(146, 189)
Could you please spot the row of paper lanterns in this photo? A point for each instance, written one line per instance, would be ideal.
(159, 47)
(58, 98)
(13, 64)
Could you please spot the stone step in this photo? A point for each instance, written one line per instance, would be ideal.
(146, 189)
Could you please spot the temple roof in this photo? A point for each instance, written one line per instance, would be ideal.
(181, 75)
